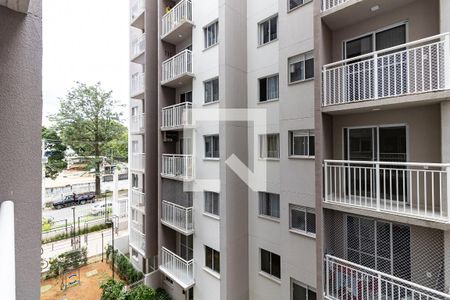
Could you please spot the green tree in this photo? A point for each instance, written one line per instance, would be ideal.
(118, 148)
(54, 149)
(87, 121)
(112, 290)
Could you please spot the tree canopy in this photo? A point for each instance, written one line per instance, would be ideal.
(54, 150)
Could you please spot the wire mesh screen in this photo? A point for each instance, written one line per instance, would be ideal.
(367, 257)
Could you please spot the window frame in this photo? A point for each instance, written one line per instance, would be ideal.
(267, 197)
(261, 32)
(308, 133)
(205, 34)
(301, 58)
(213, 144)
(263, 141)
(134, 251)
(289, 9)
(266, 78)
(214, 263)
(205, 86)
(214, 202)
(305, 286)
(270, 275)
(305, 210)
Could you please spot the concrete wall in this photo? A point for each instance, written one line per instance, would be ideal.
(20, 136)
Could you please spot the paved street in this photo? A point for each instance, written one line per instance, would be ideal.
(66, 213)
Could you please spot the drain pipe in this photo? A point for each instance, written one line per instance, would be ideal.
(7, 251)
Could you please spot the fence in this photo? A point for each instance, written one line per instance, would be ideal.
(178, 14)
(177, 65)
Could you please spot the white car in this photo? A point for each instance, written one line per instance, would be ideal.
(99, 208)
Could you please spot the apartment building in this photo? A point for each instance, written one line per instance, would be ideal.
(20, 148)
(354, 148)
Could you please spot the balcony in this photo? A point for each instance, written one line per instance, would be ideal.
(416, 190)
(346, 280)
(137, 14)
(138, 49)
(178, 269)
(138, 199)
(137, 86)
(177, 117)
(176, 25)
(137, 239)
(177, 70)
(418, 67)
(137, 124)
(138, 162)
(330, 4)
(178, 167)
(177, 217)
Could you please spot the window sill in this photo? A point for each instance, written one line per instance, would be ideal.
(268, 159)
(268, 101)
(268, 43)
(299, 232)
(212, 273)
(211, 158)
(301, 81)
(214, 217)
(269, 218)
(209, 47)
(270, 277)
(210, 103)
(298, 6)
(301, 157)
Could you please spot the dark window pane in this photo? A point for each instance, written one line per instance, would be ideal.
(311, 146)
(391, 37)
(273, 28)
(263, 89)
(294, 3)
(208, 146)
(215, 89)
(276, 266)
(309, 68)
(208, 257)
(265, 32)
(311, 295)
(311, 222)
(216, 261)
(359, 46)
(298, 219)
(296, 71)
(216, 146)
(298, 292)
(265, 261)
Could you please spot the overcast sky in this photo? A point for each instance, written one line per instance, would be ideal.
(86, 41)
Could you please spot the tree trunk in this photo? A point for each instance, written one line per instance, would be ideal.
(97, 168)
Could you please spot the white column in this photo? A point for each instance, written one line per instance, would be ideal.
(7, 251)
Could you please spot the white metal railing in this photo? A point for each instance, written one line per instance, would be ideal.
(137, 198)
(178, 14)
(420, 190)
(137, 123)
(346, 280)
(7, 250)
(137, 83)
(176, 116)
(137, 8)
(177, 65)
(416, 67)
(329, 4)
(137, 239)
(138, 161)
(138, 46)
(180, 269)
(178, 165)
(177, 216)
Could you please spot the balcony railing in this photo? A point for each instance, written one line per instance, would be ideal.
(180, 13)
(138, 46)
(412, 68)
(419, 190)
(177, 268)
(177, 116)
(178, 166)
(137, 83)
(138, 161)
(177, 65)
(346, 280)
(329, 4)
(137, 239)
(177, 217)
(137, 123)
(137, 9)
(137, 199)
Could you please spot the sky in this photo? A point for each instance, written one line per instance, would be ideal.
(86, 41)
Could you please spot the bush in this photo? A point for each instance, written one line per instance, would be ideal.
(124, 268)
(112, 290)
(66, 261)
(161, 294)
(63, 236)
(141, 292)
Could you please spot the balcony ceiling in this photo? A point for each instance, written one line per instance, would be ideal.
(17, 5)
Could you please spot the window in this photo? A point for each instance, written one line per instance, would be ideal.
(296, 3)
(212, 146)
(134, 254)
(269, 204)
(302, 219)
(301, 67)
(270, 263)
(134, 111)
(134, 181)
(268, 88)
(186, 244)
(212, 90)
(300, 291)
(269, 146)
(212, 203)
(186, 97)
(212, 259)
(301, 143)
(268, 30)
(211, 34)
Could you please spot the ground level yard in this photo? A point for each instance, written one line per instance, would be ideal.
(92, 276)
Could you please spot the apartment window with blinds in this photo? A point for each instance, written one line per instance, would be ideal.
(268, 88)
(269, 146)
(300, 291)
(301, 143)
(211, 90)
(212, 259)
(212, 146)
(268, 30)
(212, 203)
(302, 219)
(270, 263)
(296, 3)
(211, 34)
(301, 67)
(269, 205)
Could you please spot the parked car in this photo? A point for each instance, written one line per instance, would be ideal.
(75, 199)
(99, 208)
